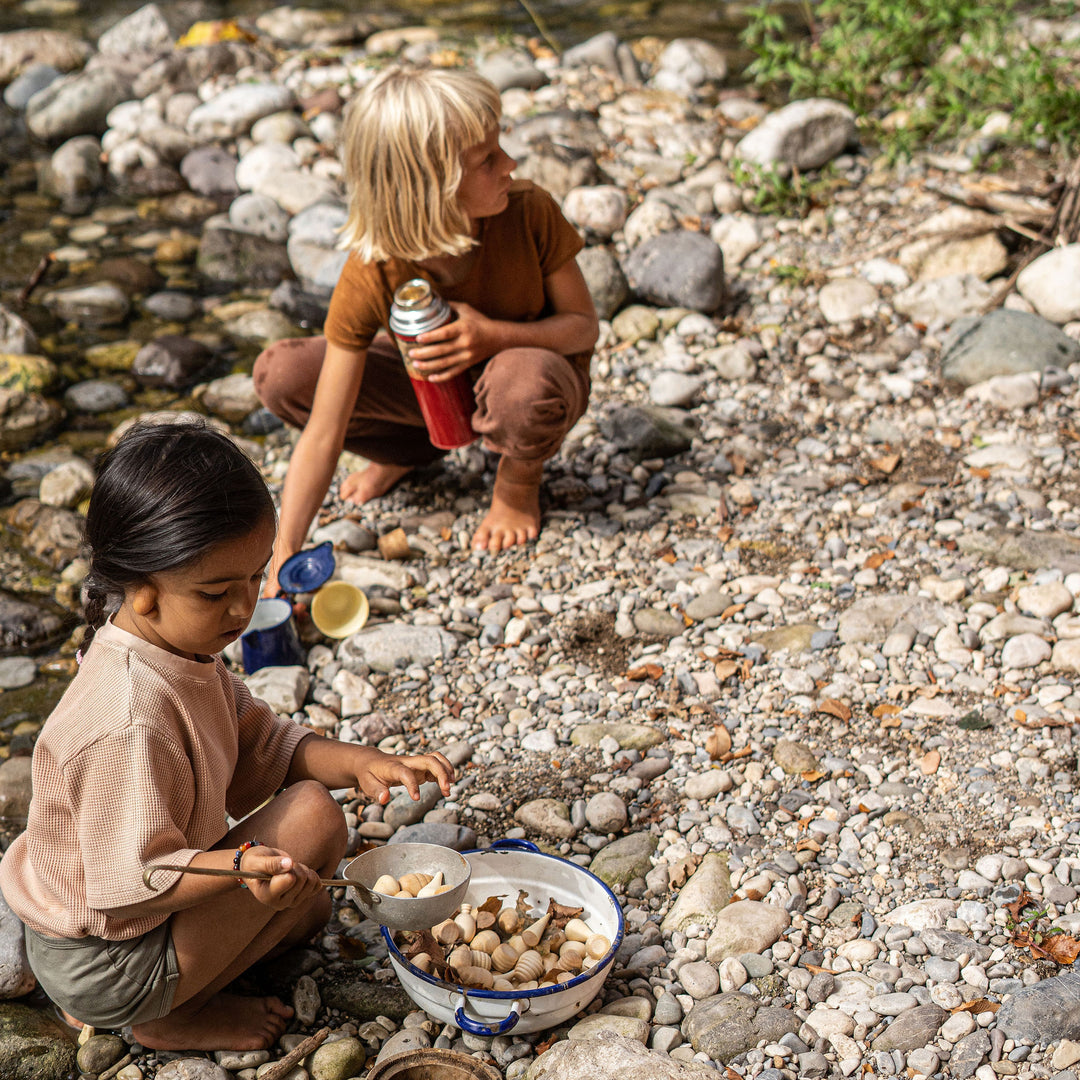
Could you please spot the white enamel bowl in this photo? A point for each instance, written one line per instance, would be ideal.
(502, 870)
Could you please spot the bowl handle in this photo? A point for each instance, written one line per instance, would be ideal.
(474, 1028)
(514, 845)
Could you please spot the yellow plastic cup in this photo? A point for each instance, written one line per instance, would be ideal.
(339, 609)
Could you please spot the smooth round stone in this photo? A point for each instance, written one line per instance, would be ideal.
(95, 396)
(892, 1004)
(16, 671)
(732, 974)
(171, 306)
(1025, 651)
(606, 812)
(757, 966)
(700, 979)
(941, 970)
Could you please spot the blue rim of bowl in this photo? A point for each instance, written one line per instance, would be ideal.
(398, 957)
(308, 569)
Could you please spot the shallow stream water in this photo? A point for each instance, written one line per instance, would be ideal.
(566, 21)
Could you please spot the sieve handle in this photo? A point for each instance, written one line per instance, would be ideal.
(210, 871)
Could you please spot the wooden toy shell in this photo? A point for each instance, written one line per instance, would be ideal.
(531, 935)
(467, 925)
(571, 955)
(529, 967)
(504, 957)
(577, 930)
(597, 946)
(413, 883)
(387, 885)
(432, 887)
(477, 977)
(460, 957)
(481, 959)
(486, 941)
(508, 921)
(447, 932)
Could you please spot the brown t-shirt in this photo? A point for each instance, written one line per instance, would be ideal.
(139, 763)
(503, 278)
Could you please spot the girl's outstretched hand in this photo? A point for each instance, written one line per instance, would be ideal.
(456, 346)
(293, 883)
(379, 772)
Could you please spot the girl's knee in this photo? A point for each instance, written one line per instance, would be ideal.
(313, 828)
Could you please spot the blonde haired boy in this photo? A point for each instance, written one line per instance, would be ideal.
(430, 195)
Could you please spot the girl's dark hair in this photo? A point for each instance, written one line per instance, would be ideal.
(164, 495)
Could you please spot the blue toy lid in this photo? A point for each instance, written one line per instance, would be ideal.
(307, 570)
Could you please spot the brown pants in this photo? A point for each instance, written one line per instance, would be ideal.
(526, 400)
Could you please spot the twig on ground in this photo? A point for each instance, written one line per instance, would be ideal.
(283, 1066)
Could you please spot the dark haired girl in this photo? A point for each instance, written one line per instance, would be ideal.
(154, 744)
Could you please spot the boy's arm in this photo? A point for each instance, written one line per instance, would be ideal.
(472, 337)
(315, 455)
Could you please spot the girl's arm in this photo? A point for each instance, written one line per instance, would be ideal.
(190, 890)
(472, 337)
(341, 765)
(316, 453)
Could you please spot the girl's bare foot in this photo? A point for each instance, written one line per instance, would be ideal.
(514, 517)
(370, 483)
(225, 1022)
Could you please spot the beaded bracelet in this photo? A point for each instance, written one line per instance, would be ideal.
(240, 854)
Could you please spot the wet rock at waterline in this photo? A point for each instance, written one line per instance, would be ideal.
(228, 255)
(97, 305)
(171, 361)
(33, 1046)
(25, 419)
(76, 104)
(20, 49)
(74, 174)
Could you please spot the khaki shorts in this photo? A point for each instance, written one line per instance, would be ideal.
(107, 984)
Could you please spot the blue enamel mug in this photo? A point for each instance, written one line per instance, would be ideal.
(270, 638)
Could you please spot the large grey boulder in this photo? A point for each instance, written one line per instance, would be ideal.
(1004, 342)
(806, 134)
(678, 269)
(608, 1056)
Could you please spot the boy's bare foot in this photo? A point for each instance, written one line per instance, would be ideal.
(514, 516)
(225, 1022)
(370, 483)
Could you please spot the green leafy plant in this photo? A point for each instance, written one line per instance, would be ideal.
(923, 71)
(780, 191)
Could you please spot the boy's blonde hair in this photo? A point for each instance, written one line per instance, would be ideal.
(405, 135)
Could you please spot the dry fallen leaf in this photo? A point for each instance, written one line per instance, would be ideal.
(731, 612)
(874, 561)
(645, 671)
(812, 776)
(886, 463)
(979, 1005)
(834, 708)
(885, 710)
(718, 743)
(725, 669)
(1063, 949)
